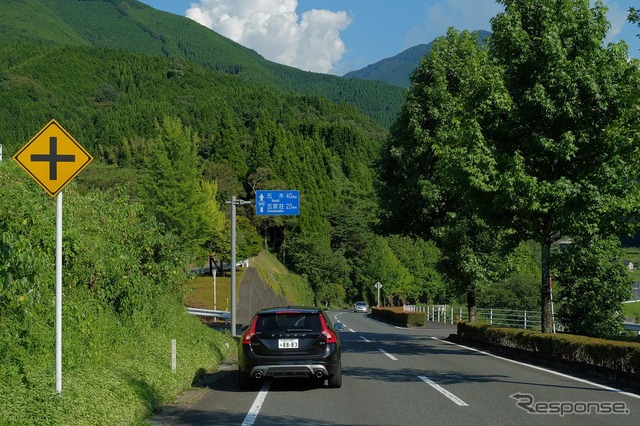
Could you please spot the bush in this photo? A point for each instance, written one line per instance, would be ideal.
(609, 354)
(400, 317)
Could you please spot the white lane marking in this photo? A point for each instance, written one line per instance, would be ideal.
(535, 367)
(252, 415)
(388, 354)
(365, 339)
(443, 391)
(352, 330)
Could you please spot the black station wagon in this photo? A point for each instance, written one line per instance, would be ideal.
(290, 342)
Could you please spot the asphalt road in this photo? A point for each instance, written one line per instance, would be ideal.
(411, 376)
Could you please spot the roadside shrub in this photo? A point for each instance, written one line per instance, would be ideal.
(398, 316)
(610, 354)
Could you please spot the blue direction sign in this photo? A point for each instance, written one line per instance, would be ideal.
(277, 203)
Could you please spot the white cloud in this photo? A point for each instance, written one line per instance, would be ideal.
(273, 28)
(617, 17)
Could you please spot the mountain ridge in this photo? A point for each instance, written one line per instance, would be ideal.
(139, 28)
(396, 70)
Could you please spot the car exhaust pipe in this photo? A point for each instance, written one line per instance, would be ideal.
(257, 375)
(319, 374)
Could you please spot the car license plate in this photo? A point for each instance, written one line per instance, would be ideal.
(287, 343)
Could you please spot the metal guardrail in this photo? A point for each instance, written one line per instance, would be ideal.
(632, 326)
(504, 317)
(511, 318)
(226, 315)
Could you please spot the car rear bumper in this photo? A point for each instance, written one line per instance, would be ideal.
(291, 370)
(283, 366)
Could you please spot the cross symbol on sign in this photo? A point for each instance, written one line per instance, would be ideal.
(53, 158)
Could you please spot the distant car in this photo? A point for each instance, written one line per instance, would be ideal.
(360, 307)
(290, 342)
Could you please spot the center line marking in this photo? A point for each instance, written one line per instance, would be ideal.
(388, 354)
(443, 391)
(252, 415)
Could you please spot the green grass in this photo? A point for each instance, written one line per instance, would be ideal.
(294, 288)
(632, 310)
(200, 292)
(114, 372)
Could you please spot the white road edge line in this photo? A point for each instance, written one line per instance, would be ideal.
(365, 339)
(443, 391)
(535, 367)
(252, 415)
(388, 354)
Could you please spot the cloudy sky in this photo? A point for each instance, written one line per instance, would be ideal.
(338, 36)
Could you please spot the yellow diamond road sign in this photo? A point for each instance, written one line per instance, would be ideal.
(53, 158)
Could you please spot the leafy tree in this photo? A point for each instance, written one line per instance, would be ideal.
(421, 258)
(564, 164)
(520, 289)
(313, 258)
(594, 285)
(173, 188)
(539, 139)
(433, 157)
(474, 256)
(379, 263)
(330, 295)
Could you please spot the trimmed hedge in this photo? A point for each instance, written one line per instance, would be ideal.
(609, 354)
(399, 316)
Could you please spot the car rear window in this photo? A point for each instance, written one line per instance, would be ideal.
(283, 322)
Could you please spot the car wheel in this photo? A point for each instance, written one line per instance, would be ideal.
(244, 381)
(335, 381)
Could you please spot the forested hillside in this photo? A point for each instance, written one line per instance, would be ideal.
(135, 27)
(173, 138)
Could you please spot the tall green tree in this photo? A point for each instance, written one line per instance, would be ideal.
(378, 263)
(436, 154)
(539, 137)
(565, 159)
(421, 258)
(173, 188)
(594, 285)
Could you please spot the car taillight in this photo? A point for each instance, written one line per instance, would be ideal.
(251, 331)
(328, 333)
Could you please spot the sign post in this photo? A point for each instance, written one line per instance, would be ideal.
(53, 158)
(272, 203)
(234, 202)
(378, 286)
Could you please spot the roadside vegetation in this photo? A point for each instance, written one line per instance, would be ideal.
(632, 311)
(123, 278)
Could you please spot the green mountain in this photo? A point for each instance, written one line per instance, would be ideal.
(398, 69)
(111, 72)
(133, 26)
